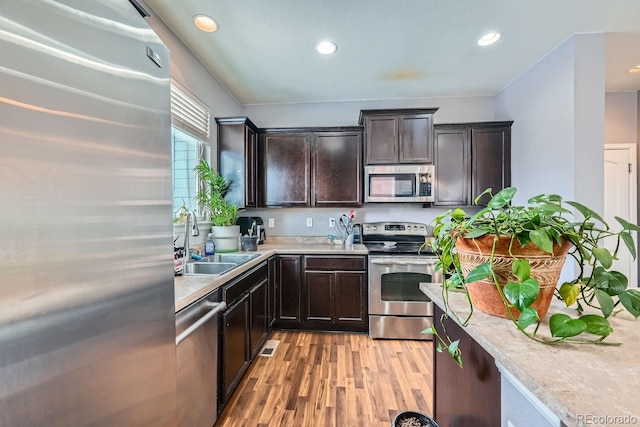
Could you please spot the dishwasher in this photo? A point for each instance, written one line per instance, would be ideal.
(197, 360)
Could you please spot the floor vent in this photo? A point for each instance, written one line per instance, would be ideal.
(269, 348)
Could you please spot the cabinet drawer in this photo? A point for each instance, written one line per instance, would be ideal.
(335, 263)
(237, 287)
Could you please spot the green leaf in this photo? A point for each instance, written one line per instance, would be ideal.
(477, 215)
(630, 299)
(488, 191)
(564, 326)
(522, 295)
(552, 209)
(627, 238)
(605, 301)
(481, 272)
(502, 199)
(476, 232)
(587, 213)
(569, 293)
(528, 317)
(597, 325)
(439, 348)
(603, 256)
(458, 214)
(542, 239)
(627, 225)
(429, 330)
(453, 347)
(612, 282)
(521, 268)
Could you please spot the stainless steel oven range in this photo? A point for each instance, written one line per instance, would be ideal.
(397, 307)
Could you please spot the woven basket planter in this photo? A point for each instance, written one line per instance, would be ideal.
(545, 268)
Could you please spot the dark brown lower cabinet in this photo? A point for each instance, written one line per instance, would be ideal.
(271, 296)
(259, 325)
(244, 326)
(235, 342)
(335, 293)
(288, 271)
(468, 396)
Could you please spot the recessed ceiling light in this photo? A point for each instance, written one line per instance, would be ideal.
(635, 69)
(489, 38)
(205, 23)
(326, 47)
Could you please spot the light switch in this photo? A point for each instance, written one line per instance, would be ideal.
(272, 222)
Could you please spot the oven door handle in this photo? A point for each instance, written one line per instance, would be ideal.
(383, 262)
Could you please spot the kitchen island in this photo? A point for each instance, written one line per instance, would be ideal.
(189, 289)
(581, 384)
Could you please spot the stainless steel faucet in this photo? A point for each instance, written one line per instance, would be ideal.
(194, 232)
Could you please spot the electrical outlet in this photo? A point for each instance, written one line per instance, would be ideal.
(309, 222)
(272, 222)
(332, 222)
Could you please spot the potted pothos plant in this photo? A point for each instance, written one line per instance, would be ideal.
(224, 215)
(507, 259)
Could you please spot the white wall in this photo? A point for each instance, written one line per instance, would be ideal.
(621, 117)
(187, 70)
(558, 111)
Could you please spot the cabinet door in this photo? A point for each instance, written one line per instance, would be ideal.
(351, 300)
(272, 293)
(452, 167)
(232, 161)
(319, 298)
(251, 168)
(469, 396)
(286, 169)
(415, 139)
(337, 169)
(491, 161)
(258, 320)
(235, 346)
(288, 292)
(381, 134)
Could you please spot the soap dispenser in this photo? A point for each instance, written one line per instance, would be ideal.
(209, 246)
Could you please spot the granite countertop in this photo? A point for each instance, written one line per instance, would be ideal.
(579, 383)
(189, 289)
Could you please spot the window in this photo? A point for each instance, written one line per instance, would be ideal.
(190, 120)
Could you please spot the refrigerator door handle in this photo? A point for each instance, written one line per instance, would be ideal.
(218, 307)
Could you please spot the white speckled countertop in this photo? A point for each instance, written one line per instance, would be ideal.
(189, 289)
(581, 384)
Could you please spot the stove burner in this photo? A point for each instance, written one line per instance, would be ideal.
(390, 238)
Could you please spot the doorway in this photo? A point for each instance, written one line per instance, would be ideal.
(620, 199)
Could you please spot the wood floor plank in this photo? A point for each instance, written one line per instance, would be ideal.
(332, 380)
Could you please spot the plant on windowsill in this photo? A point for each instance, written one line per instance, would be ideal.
(507, 259)
(210, 197)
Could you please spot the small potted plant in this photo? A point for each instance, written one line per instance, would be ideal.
(508, 259)
(213, 188)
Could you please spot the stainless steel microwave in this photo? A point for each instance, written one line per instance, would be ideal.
(399, 183)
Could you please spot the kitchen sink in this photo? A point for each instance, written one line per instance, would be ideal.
(233, 258)
(208, 268)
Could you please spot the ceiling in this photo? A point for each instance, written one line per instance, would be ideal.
(264, 50)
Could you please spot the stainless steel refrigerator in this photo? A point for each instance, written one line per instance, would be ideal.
(87, 335)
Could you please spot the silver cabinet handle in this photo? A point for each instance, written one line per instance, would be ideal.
(218, 307)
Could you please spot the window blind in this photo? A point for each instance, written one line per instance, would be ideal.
(189, 113)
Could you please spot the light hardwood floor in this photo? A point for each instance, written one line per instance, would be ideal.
(338, 380)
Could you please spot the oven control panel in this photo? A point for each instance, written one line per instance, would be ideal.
(395, 228)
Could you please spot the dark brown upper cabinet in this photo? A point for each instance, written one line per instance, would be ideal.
(237, 162)
(311, 167)
(469, 158)
(285, 169)
(337, 168)
(398, 136)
